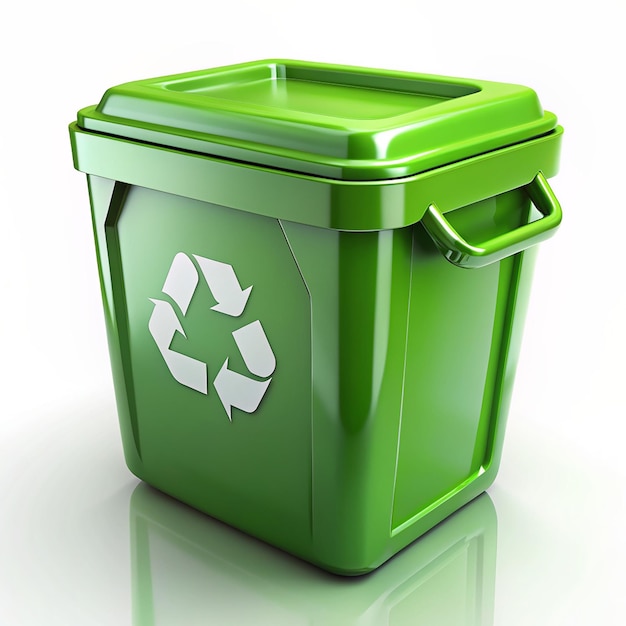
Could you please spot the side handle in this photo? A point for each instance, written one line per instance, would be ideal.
(464, 254)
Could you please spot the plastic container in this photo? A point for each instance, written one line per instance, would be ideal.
(296, 348)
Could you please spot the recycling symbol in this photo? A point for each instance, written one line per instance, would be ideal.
(233, 389)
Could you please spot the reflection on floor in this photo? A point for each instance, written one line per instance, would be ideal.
(190, 569)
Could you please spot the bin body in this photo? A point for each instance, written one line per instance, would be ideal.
(292, 353)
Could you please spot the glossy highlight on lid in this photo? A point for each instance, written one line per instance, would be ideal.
(327, 120)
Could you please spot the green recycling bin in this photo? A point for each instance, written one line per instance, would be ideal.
(298, 346)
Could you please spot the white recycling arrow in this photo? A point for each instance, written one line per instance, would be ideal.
(233, 389)
(255, 349)
(224, 286)
(163, 325)
(241, 392)
(181, 281)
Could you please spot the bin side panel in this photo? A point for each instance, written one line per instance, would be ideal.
(459, 334)
(520, 287)
(451, 322)
(218, 341)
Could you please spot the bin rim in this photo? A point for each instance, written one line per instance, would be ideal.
(335, 121)
(322, 202)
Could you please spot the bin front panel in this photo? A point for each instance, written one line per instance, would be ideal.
(214, 327)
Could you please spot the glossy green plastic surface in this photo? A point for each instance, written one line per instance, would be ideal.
(374, 402)
(328, 120)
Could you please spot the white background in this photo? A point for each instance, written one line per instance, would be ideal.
(65, 549)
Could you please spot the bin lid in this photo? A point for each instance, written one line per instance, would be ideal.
(335, 121)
